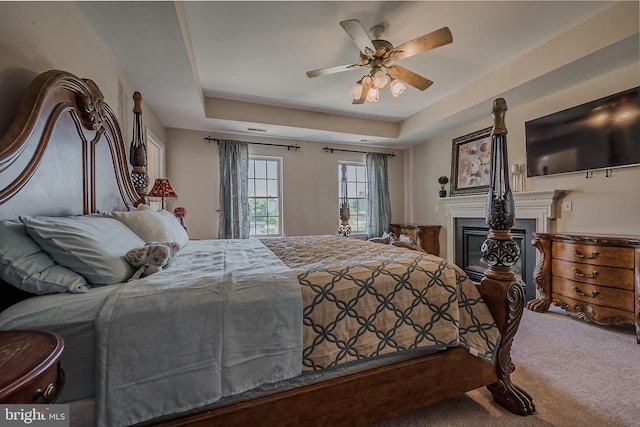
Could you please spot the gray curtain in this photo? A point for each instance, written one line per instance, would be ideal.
(378, 203)
(234, 190)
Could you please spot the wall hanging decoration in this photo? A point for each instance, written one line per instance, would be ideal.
(471, 163)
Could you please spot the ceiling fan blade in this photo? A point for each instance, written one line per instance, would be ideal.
(423, 43)
(332, 70)
(409, 77)
(356, 31)
(366, 85)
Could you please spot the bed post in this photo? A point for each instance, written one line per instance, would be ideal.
(499, 286)
(138, 151)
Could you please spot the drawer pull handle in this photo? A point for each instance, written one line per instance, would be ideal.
(579, 292)
(581, 255)
(48, 393)
(579, 273)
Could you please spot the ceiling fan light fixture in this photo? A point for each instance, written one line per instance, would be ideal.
(397, 87)
(380, 79)
(367, 80)
(356, 90)
(373, 95)
(376, 53)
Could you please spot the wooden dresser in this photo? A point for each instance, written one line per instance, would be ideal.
(30, 371)
(593, 277)
(426, 236)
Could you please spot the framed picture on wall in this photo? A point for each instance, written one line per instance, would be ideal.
(471, 163)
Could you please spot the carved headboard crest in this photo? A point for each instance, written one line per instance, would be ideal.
(92, 106)
(76, 161)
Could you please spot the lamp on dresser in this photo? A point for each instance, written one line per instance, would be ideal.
(162, 191)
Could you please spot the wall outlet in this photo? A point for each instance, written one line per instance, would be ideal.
(566, 206)
(437, 209)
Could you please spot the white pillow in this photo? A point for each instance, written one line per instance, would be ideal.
(174, 228)
(91, 245)
(26, 266)
(154, 226)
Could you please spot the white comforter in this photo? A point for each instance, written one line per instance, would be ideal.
(225, 317)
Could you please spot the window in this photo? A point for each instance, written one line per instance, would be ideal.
(264, 196)
(356, 195)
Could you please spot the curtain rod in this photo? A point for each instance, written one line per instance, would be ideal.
(329, 149)
(288, 147)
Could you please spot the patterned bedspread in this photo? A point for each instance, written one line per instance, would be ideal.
(364, 299)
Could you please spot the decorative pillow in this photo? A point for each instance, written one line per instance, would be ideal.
(389, 236)
(153, 257)
(407, 239)
(153, 226)
(174, 228)
(91, 245)
(26, 266)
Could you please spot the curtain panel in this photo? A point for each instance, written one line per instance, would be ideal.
(378, 202)
(234, 190)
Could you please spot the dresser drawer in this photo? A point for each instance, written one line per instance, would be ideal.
(594, 294)
(594, 254)
(594, 274)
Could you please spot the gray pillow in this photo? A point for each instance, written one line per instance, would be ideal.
(154, 226)
(26, 266)
(91, 245)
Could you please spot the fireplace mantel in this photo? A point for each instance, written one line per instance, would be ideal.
(538, 205)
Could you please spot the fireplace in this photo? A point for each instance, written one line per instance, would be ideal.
(537, 207)
(471, 232)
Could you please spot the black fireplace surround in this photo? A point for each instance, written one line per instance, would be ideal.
(471, 232)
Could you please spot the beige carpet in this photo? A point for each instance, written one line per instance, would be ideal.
(578, 374)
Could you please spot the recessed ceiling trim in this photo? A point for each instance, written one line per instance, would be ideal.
(225, 109)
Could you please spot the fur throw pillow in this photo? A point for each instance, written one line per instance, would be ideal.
(151, 258)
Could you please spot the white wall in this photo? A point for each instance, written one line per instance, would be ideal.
(599, 205)
(310, 187)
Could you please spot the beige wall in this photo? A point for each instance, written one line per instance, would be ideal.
(310, 187)
(39, 36)
(599, 205)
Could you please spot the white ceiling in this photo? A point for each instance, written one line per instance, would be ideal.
(190, 59)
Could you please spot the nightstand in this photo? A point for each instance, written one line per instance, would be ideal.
(30, 370)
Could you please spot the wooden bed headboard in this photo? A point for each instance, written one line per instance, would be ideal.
(64, 153)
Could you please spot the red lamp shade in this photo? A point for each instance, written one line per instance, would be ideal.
(162, 190)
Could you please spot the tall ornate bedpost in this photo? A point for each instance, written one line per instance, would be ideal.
(138, 151)
(344, 229)
(501, 253)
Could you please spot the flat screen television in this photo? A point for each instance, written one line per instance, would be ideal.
(600, 134)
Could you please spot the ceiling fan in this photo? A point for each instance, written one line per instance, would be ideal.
(377, 53)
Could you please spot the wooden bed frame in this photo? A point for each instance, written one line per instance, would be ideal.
(64, 155)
